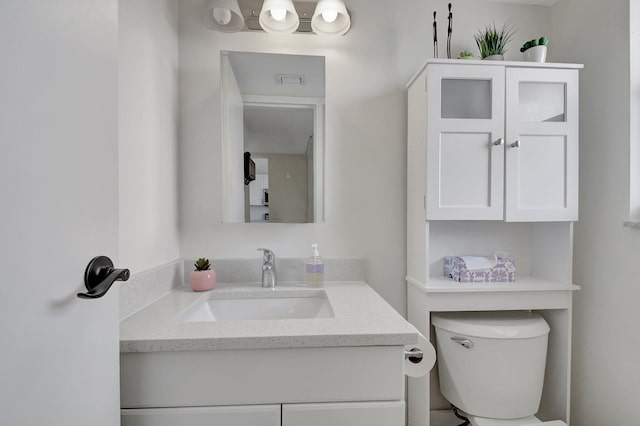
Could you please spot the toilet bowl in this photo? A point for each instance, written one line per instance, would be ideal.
(491, 365)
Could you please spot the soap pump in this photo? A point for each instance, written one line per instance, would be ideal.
(314, 269)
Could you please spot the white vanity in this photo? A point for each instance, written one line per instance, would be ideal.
(493, 166)
(342, 365)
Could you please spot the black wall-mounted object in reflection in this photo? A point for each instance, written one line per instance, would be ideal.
(249, 169)
(100, 276)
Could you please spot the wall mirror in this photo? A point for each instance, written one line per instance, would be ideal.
(273, 109)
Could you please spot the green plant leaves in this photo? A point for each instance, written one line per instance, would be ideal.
(202, 264)
(542, 41)
(494, 42)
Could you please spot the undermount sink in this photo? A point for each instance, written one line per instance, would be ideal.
(261, 306)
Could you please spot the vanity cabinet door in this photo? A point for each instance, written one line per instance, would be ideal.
(541, 145)
(254, 415)
(465, 150)
(389, 413)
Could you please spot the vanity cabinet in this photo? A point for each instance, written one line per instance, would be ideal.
(501, 141)
(257, 190)
(334, 414)
(338, 386)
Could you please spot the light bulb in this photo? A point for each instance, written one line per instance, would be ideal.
(330, 16)
(279, 13)
(222, 15)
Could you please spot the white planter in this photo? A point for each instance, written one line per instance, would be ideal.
(535, 54)
(494, 58)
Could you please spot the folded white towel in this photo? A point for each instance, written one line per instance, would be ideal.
(476, 263)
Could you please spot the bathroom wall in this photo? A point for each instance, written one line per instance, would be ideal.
(606, 377)
(288, 188)
(148, 147)
(366, 73)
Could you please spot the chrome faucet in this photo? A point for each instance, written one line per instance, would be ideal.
(269, 277)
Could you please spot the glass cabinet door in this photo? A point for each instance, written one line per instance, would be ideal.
(542, 102)
(541, 144)
(465, 149)
(466, 98)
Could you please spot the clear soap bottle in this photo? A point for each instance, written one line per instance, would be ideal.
(314, 269)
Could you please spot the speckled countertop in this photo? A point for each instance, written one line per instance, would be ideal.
(362, 318)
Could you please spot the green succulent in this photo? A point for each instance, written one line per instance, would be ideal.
(494, 42)
(542, 41)
(202, 264)
(466, 54)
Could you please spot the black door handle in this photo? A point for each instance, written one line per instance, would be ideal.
(100, 276)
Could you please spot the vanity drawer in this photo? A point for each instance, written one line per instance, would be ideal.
(254, 415)
(391, 413)
(262, 376)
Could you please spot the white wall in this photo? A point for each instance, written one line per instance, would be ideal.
(606, 377)
(366, 71)
(148, 147)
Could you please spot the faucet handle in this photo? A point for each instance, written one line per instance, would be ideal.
(268, 255)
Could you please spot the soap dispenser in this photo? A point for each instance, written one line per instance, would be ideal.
(314, 269)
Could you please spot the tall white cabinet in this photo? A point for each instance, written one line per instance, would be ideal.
(493, 166)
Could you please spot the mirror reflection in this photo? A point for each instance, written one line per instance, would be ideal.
(273, 134)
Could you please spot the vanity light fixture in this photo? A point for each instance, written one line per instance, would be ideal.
(224, 16)
(326, 17)
(331, 18)
(279, 17)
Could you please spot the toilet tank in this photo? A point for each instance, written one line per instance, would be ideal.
(491, 364)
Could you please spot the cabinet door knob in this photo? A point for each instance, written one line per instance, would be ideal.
(516, 144)
(499, 142)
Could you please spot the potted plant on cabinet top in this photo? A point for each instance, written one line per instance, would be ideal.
(493, 43)
(535, 50)
(203, 278)
(465, 54)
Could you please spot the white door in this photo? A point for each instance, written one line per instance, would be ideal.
(58, 209)
(465, 135)
(541, 145)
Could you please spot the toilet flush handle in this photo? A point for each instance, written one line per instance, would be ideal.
(462, 341)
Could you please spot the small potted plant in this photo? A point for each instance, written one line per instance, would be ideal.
(203, 278)
(535, 50)
(465, 54)
(493, 43)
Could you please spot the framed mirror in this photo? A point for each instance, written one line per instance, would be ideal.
(273, 109)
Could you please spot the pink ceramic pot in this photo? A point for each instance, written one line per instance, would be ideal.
(202, 280)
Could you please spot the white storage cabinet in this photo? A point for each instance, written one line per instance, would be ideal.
(492, 165)
(502, 142)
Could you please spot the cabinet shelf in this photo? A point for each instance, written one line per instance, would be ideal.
(438, 284)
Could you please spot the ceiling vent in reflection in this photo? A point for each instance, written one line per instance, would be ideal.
(290, 79)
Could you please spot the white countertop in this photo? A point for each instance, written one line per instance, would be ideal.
(362, 318)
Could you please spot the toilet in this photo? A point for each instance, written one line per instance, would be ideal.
(491, 365)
